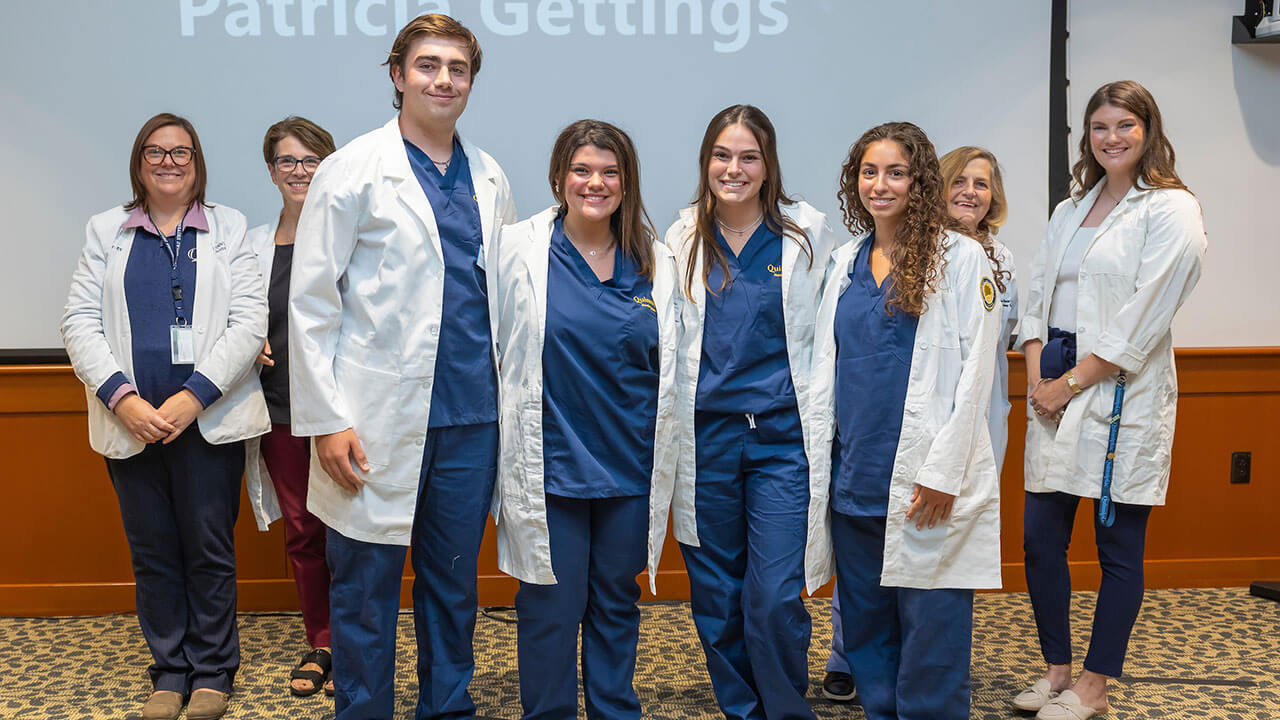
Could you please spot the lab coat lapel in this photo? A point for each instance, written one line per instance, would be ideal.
(395, 166)
(1073, 223)
(535, 255)
(484, 181)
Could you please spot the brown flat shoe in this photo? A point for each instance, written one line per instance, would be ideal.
(162, 705)
(207, 704)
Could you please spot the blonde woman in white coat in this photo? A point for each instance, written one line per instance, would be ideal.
(1120, 257)
(903, 365)
(165, 347)
(751, 532)
(293, 149)
(588, 324)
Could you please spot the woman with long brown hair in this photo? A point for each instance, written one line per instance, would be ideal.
(165, 362)
(1119, 258)
(588, 324)
(752, 535)
(903, 361)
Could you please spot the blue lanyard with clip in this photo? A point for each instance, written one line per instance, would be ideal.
(175, 280)
(1107, 508)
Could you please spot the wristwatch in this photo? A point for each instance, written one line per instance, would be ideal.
(1070, 377)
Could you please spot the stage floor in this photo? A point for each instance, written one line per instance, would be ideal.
(1203, 653)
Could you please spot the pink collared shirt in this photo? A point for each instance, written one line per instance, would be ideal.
(194, 218)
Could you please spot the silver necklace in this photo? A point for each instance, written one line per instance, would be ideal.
(751, 225)
(442, 165)
(592, 253)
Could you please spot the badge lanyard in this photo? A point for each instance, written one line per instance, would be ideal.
(1106, 508)
(181, 341)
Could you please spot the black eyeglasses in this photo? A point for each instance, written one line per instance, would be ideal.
(285, 164)
(154, 154)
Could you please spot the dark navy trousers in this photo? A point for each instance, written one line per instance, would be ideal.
(746, 577)
(454, 494)
(1047, 521)
(908, 649)
(179, 504)
(598, 546)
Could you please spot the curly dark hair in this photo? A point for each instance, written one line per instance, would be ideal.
(917, 255)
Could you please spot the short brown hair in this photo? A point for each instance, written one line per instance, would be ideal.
(436, 24)
(135, 160)
(312, 136)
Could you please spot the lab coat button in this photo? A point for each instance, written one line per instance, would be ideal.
(435, 330)
(420, 442)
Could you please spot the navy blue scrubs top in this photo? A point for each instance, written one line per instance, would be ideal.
(744, 366)
(873, 367)
(148, 292)
(464, 390)
(599, 376)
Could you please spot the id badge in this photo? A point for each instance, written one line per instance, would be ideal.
(182, 345)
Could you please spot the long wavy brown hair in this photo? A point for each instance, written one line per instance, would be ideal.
(952, 165)
(1155, 166)
(772, 196)
(917, 255)
(630, 222)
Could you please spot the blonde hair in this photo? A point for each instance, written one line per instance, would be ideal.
(952, 165)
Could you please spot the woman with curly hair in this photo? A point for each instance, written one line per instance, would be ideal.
(903, 362)
(746, 512)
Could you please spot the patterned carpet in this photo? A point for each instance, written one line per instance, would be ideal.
(1208, 653)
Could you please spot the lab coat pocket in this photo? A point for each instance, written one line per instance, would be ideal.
(922, 550)
(371, 397)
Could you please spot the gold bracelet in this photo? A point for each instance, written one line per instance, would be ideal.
(1071, 382)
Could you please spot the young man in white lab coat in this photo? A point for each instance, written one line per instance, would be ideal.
(390, 325)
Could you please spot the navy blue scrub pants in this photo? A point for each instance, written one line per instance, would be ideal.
(598, 547)
(1047, 521)
(752, 505)
(836, 662)
(455, 490)
(179, 504)
(908, 649)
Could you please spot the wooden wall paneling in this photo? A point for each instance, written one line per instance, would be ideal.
(62, 550)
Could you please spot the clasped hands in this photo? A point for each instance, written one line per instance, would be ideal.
(158, 424)
(1049, 398)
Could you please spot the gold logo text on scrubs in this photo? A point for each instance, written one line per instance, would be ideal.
(647, 302)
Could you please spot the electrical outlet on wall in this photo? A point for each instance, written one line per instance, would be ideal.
(1240, 465)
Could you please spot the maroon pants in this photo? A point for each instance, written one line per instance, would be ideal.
(288, 460)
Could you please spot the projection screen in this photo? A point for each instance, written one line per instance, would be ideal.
(80, 77)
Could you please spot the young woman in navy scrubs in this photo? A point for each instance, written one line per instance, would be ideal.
(904, 360)
(588, 324)
(975, 197)
(293, 149)
(751, 263)
(164, 346)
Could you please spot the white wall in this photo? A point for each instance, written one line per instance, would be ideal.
(1221, 107)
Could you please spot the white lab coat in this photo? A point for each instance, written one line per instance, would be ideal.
(364, 321)
(945, 442)
(257, 481)
(229, 320)
(801, 290)
(1000, 405)
(524, 549)
(1142, 263)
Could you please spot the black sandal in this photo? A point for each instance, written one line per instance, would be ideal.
(317, 679)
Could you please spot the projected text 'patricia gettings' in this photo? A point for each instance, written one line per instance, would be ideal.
(731, 23)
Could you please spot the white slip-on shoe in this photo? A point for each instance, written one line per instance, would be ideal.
(1036, 696)
(1067, 706)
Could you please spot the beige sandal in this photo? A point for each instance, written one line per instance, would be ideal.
(1067, 706)
(1035, 697)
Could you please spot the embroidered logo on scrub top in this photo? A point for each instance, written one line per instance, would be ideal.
(988, 293)
(191, 254)
(647, 302)
(775, 269)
